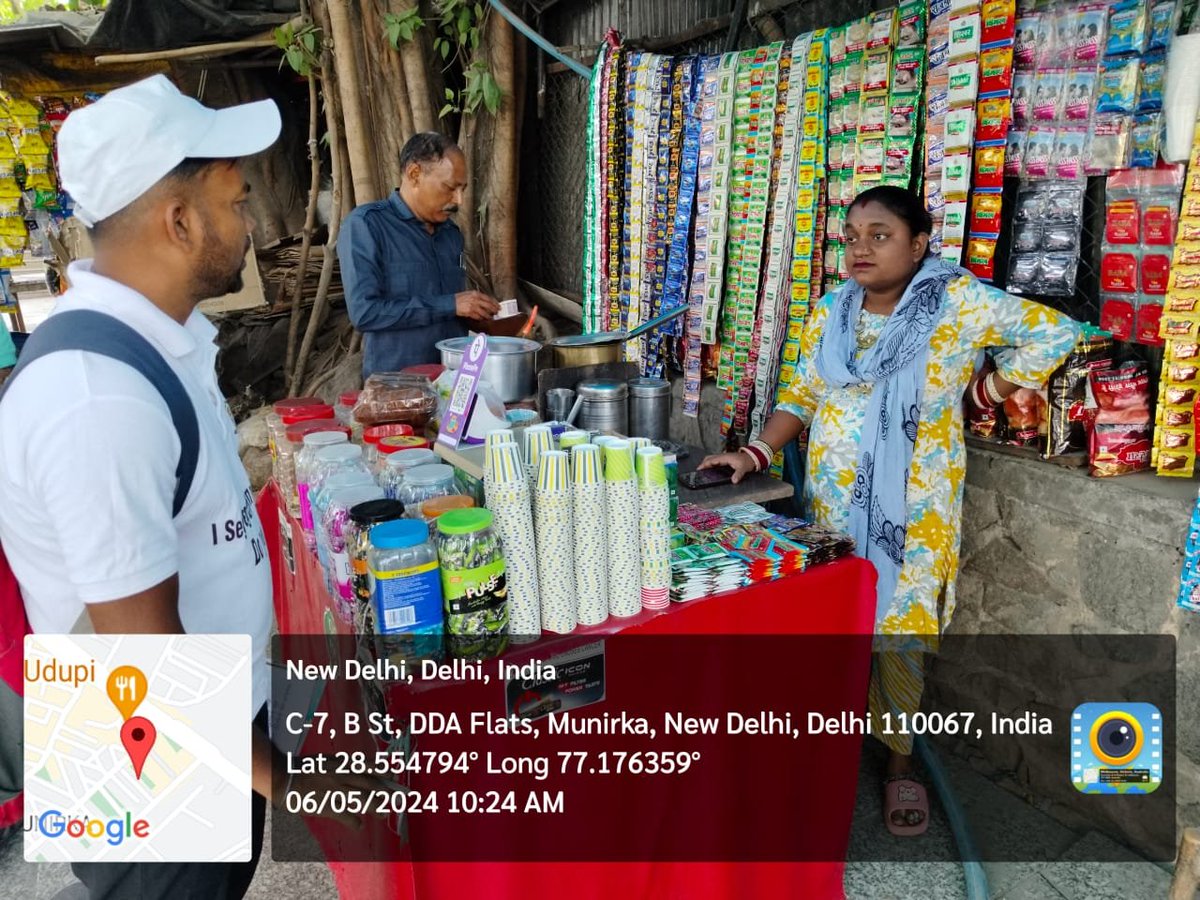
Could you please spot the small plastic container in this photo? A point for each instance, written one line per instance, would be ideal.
(363, 517)
(313, 442)
(424, 483)
(328, 462)
(439, 506)
(406, 590)
(289, 406)
(373, 434)
(283, 468)
(334, 526)
(474, 588)
(344, 408)
(398, 463)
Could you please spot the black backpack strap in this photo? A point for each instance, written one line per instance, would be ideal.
(97, 332)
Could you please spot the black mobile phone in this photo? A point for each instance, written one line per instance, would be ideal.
(706, 478)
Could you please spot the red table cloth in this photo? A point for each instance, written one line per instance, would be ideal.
(303, 606)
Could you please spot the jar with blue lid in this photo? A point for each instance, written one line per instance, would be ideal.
(406, 590)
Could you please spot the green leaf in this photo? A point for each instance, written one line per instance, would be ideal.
(446, 110)
(283, 36)
(492, 95)
(478, 10)
(449, 94)
(310, 42)
(295, 58)
(445, 49)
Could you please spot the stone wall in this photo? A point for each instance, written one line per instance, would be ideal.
(1048, 550)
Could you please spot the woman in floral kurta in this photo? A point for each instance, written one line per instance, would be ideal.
(942, 318)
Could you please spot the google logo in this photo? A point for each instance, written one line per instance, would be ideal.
(53, 824)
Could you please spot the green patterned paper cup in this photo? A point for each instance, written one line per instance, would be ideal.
(571, 439)
(618, 461)
(651, 470)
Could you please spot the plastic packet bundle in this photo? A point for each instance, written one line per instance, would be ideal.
(1146, 138)
(1127, 29)
(1118, 87)
(389, 397)
(1066, 394)
(1068, 159)
(1109, 144)
(1152, 84)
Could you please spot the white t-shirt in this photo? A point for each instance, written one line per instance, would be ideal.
(87, 478)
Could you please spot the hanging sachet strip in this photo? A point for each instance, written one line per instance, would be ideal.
(592, 269)
(773, 302)
(635, 165)
(614, 184)
(720, 198)
(666, 193)
(705, 120)
(650, 103)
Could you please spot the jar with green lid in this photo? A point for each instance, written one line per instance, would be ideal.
(474, 586)
(405, 590)
(363, 517)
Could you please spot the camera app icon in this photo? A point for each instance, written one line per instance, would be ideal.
(1116, 748)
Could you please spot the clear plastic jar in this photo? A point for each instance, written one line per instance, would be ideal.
(373, 434)
(304, 469)
(363, 517)
(474, 588)
(398, 463)
(284, 467)
(288, 406)
(424, 483)
(334, 526)
(332, 462)
(406, 590)
(344, 408)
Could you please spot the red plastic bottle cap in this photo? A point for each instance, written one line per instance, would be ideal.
(295, 433)
(376, 433)
(308, 413)
(349, 398)
(432, 371)
(289, 404)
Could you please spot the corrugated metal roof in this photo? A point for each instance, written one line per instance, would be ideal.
(583, 23)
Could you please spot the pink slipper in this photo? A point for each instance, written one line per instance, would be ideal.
(902, 794)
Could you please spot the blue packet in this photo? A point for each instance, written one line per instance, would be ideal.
(1162, 25)
(1147, 136)
(1126, 29)
(1117, 92)
(1152, 84)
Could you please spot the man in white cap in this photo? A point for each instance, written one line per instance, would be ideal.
(91, 515)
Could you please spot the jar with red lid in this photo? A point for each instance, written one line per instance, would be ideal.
(285, 407)
(373, 434)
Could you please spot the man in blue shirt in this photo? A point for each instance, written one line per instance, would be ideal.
(401, 261)
(8, 352)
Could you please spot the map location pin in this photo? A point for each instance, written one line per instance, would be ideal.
(126, 689)
(137, 736)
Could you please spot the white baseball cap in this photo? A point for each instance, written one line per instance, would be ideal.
(116, 149)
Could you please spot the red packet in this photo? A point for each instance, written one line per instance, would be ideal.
(1158, 225)
(1121, 222)
(1156, 270)
(1148, 316)
(1118, 273)
(1117, 316)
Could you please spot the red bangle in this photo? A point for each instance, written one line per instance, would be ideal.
(756, 456)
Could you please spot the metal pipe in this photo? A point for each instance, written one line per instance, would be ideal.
(515, 21)
(973, 874)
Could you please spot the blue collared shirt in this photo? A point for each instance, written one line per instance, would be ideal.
(400, 283)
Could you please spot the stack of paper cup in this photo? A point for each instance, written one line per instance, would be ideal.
(654, 512)
(591, 534)
(555, 522)
(639, 443)
(507, 491)
(624, 555)
(493, 439)
(538, 439)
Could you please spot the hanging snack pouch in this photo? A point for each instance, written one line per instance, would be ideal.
(873, 116)
(1022, 108)
(1081, 88)
(939, 44)
(1119, 272)
(1156, 270)
(1127, 29)
(981, 258)
(1046, 49)
(870, 158)
(1027, 237)
(897, 163)
(876, 73)
(985, 213)
(902, 115)
(1038, 151)
(1117, 93)
(1060, 237)
(955, 228)
(1056, 274)
(964, 38)
(989, 171)
(855, 71)
(837, 44)
(1023, 273)
(1025, 42)
(1152, 84)
(1147, 136)
(1182, 303)
(1108, 144)
(906, 70)
(1066, 395)
(1121, 222)
(883, 30)
(911, 31)
(1158, 229)
(1089, 32)
(1117, 315)
(963, 86)
(1121, 435)
(1162, 25)
(1014, 154)
(857, 33)
(999, 22)
(994, 117)
(1067, 161)
(960, 126)
(996, 70)
(956, 176)
(1047, 94)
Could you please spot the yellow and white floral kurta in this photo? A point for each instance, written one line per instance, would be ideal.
(974, 316)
